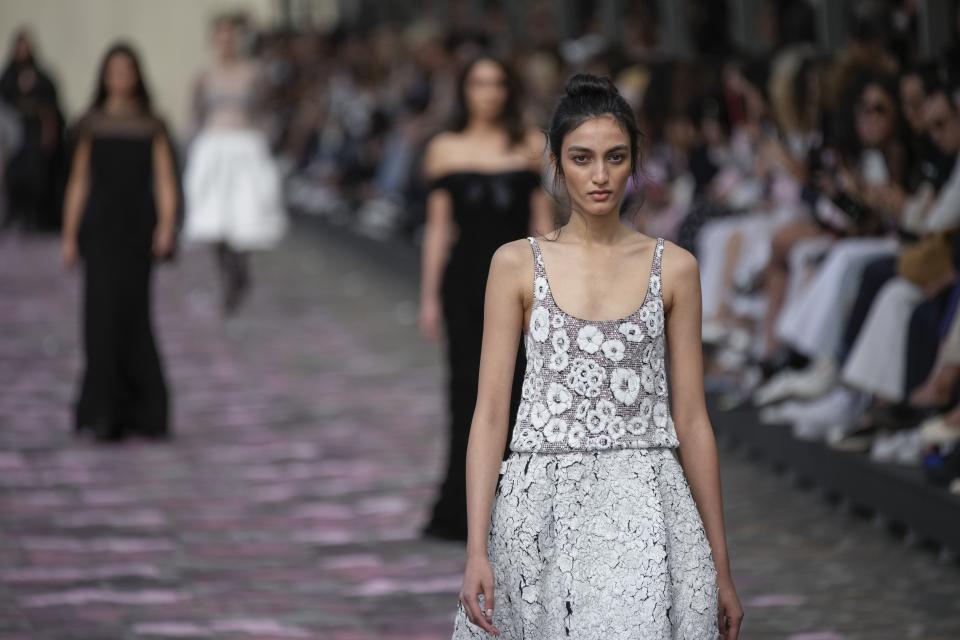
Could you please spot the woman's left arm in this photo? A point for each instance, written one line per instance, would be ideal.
(698, 448)
(165, 194)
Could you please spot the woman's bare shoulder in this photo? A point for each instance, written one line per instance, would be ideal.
(441, 152)
(514, 255)
(678, 260)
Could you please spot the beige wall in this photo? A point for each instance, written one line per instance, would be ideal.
(171, 36)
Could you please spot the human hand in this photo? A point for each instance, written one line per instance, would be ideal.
(162, 242)
(68, 251)
(477, 592)
(430, 320)
(729, 611)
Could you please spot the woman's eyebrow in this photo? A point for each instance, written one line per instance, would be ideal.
(578, 149)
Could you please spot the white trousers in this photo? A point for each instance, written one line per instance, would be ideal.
(756, 230)
(878, 361)
(813, 323)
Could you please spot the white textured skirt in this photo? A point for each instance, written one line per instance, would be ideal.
(604, 545)
(233, 191)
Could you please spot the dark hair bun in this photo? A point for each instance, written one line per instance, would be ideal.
(584, 85)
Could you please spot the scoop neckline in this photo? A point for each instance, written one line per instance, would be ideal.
(643, 303)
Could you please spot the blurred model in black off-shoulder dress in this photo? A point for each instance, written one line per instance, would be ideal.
(484, 192)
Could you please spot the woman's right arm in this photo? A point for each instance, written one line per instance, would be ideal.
(437, 238)
(75, 198)
(503, 319)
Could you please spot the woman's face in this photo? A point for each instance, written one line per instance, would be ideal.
(22, 49)
(596, 165)
(225, 39)
(911, 97)
(121, 76)
(485, 90)
(874, 114)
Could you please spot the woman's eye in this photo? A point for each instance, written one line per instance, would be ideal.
(616, 157)
(580, 159)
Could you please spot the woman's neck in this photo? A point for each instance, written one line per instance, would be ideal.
(226, 60)
(120, 105)
(482, 127)
(596, 230)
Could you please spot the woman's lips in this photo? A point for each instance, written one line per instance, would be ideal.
(600, 196)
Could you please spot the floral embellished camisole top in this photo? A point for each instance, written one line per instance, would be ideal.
(593, 385)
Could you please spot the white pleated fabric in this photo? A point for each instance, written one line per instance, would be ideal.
(814, 324)
(878, 361)
(233, 191)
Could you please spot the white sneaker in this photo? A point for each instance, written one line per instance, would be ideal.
(809, 383)
(831, 416)
(911, 449)
(810, 431)
(786, 412)
(936, 431)
(903, 447)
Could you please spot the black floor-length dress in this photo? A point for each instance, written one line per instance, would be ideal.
(489, 209)
(123, 390)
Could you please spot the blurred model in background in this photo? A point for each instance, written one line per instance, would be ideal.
(232, 185)
(119, 216)
(32, 169)
(485, 191)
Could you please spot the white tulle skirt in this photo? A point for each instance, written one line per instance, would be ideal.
(233, 191)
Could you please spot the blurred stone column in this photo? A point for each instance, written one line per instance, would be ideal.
(673, 27)
(831, 23)
(611, 18)
(935, 22)
(745, 27)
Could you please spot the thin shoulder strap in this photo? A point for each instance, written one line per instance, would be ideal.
(538, 269)
(656, 269)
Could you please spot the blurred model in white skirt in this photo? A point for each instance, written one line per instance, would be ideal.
(232, 185)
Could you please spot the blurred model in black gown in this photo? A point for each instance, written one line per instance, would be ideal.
(31, 173)
(485, 191)
(118, 217)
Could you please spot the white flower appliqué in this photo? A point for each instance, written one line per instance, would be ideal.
(596, 421)
(648, 378)
(558, 361)
(586, 377)
(540, 324)
(613, 349)
(539, 415)
(637, 426)
(660, 414)
(576, 435)
(560, 340)
(616, 428)
(589, 338)
(558, 321)
(555, 431)
(527, 439)
(631, 331)
(523, 411)
(655, 284)
(625, 385)
(582, 410)
(661, 380)
(558, 398)
(540, 288)
(654, 322)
